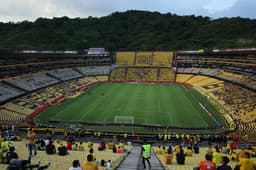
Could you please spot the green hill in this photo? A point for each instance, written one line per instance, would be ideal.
(130, 30)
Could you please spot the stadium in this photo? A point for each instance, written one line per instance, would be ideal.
(147, 94)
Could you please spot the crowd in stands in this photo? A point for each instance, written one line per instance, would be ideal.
(61, 154)
(241, 104)
(166, 74)
(238, 101)
(118, 74)
(244, 79)
(189, 154)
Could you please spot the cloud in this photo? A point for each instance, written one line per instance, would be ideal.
(18, 10)
(242, 8)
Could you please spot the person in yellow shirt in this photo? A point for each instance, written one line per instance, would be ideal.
(209, 149)
(189, 151)
(90, 164)
(177, 148)
(5, 145)
(81, 147)
(247, 163)
(241, 153)
(89, 144)
(110, 145)
(158, 150)
(168, 157)
(217, 156)
(121, 144)
(31, 137)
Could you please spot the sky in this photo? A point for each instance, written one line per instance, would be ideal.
(20, 10)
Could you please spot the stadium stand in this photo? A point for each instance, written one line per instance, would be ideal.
(10, 116)
(94, 70)
(228, 78)
(8, 92)
(64, 162)
(65, 74)
(140, 74)
(234, 65)
(236, 84)
(166, 74)
(144, 58)
(118, 74)
(238, 101)
(191, 161)
(32, 82)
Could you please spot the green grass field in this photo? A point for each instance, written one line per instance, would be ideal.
(149, 104)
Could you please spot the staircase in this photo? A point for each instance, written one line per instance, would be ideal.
(134, 161)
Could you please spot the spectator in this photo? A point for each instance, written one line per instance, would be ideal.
(62, 150)
(50, 148)
(110, 144)
(108, 164)
(46, 140)
(31, 136)
(168, 157)
(89, 144)
(224, 165)
(180, 157)
(102, 146)
(69, 144)
(247, 163)
(91, 152)
(209, 149)
(5, 145)
(114, 149)
(18, 164)
(76, 165)
(90, 164)
(119, 150)
(41, 145)
(75, 147)
(217, 156)
(196, 149)
(241, 153)
(207, 164)
(1, 156)
(11, 155)
(189, 151)
(81, 147)
(159, 150)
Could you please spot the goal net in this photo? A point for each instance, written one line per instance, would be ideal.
(124, 119)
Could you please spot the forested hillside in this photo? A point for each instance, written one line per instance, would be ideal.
(131, 30)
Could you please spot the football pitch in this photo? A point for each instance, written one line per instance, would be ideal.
(148, 104)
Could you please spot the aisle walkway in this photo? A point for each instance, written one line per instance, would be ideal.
(134, 161)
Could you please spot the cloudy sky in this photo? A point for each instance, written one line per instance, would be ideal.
(19, 10)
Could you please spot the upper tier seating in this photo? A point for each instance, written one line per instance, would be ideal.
(7, 92)
(247, 80)
(94, 70)
(32, 82)
(65, 74)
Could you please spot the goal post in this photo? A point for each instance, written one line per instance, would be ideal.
(124, 119)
